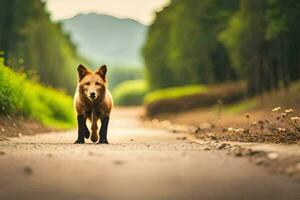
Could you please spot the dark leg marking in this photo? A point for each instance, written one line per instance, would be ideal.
(103, 130)
(83, 131)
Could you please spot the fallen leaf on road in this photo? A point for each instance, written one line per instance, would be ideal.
(118, 162)
(181, 138)
(221, 146)
(206, 149)
(28, 170)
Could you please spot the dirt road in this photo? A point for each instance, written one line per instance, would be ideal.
(139, 163)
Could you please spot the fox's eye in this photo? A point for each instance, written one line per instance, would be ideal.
(97, 83)
(87, 83)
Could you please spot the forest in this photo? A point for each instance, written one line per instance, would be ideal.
(189, 43)
(214, 41)
(30, 42)
(37, 67)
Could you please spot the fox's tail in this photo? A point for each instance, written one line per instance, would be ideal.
(94, 128)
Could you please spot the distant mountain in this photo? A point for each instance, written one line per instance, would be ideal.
(107, 39)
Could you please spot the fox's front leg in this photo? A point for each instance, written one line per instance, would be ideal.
(103, 130)
(82, 129)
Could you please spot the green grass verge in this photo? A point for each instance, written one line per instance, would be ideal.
(242, 106)
(285, 98)
(23, 97)
(130, 93)
(174, 92)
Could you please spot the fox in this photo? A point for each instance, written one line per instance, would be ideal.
(92, 101)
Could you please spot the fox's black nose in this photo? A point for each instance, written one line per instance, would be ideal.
(92, 95)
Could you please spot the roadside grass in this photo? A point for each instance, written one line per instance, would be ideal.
(22, 97)
(242, 106)
(174, 92)
(284, 97)
(130, 93)
(181, 99)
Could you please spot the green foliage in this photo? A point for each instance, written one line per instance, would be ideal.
(174, 92)
(263, 42)
(20, 96)
(11, 100)
(178, 99)
(208, 41)
(182, 46)
(33, 44)
(130, 92)
(230, 38)
(241, 106)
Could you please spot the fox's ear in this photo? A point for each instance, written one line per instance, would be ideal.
(82, 71)
(102, 71)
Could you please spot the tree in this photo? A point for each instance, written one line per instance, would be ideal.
(183, 47)
(31, 42)
(263, 42)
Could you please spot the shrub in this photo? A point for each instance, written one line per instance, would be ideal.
(49, 106)
(174, 92)
(11, 94)
(23, 97)
(130, 92)
(189, 97)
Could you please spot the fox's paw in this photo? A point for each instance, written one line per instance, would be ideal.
(103, 141)
(79, 141)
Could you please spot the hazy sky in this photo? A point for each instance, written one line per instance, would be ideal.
(140, 10)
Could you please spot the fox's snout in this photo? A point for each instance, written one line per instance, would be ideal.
(92, 95)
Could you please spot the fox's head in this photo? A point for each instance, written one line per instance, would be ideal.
(92, 84)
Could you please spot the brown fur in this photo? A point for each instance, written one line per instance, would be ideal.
(93, 109)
